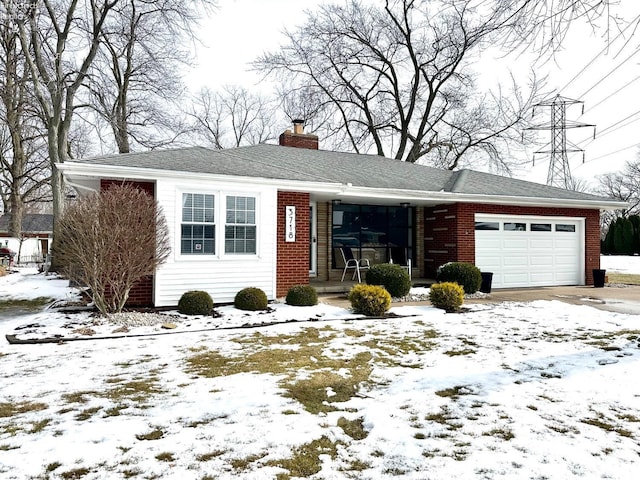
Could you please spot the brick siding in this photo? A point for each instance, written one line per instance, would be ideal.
(292, 266)
(141, 295)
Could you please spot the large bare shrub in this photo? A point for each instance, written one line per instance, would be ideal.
(111, 240)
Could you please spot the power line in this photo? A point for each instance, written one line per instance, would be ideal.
(617, 151)
(635, 52)
(606, 47)
(612, 94)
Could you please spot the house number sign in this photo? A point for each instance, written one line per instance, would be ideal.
(290, 224)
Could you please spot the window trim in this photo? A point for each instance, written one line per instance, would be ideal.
(225, 224)
(180, 222)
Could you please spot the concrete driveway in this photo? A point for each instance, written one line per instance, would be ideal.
(613, 298)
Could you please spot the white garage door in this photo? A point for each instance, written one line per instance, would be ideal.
(525, 251)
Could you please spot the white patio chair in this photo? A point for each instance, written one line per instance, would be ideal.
(350, 262)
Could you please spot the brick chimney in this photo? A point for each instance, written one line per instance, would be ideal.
(298, 138)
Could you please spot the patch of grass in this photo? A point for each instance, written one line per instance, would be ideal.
(455, 353)
(205, 457)
(609, 427)
(353, 428)
(37, 427)
(5, 447)
(11, 409)
(165, 457)
(87, 413)
(52, 466)
(389, 348)
(155, 434)
(244, 463)
(503, 433)
(305, 460)
(419, 436)
(625, 278)
(454, 392)
(114, 411)
(30, 304)
(312, 392)
(563, 429)
(136, 391)
(133, 472)
(76, 473)
(80, 396)
(356, 466)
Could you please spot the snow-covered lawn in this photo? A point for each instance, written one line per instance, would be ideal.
(519, 391)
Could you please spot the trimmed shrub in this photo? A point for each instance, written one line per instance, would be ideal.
(302, 296)
(447, 296)
(250, 298)
(392, 277)
(370, 300)
(195, 302)
(467, 275)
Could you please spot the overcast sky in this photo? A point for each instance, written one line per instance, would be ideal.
(240, 30)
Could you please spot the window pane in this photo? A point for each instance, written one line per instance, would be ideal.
(487, 226)
(540, 227)
(198, 229)
(560, 227)
(515, 227)
(371, 231)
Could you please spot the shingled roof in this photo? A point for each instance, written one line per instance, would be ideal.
(360, 170)
(31, 223)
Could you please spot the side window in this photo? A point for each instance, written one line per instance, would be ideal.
(487, 226)
(515, 227)
(240, 227)
(561, 227)
(198, 229)
(540, 227)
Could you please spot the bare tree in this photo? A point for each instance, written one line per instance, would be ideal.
(398, 80)
(111, 240)
(60, 40)
(23, 167)
(624, 186)
(543, 25)
(136, 77)
(232, 117)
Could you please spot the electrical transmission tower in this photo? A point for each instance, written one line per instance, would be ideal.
(559, 172)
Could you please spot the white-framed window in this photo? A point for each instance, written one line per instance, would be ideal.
(198, 228)
(240, 231)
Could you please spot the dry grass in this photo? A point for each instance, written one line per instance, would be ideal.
(624, 278)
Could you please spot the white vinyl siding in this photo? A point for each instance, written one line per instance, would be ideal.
(530, 251)
(220, 274)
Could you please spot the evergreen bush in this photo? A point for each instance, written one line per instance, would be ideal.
(369, 300)
(195, 302)
(302, 296)
(467, 275)
(392, 277)
(447, 296)
(250, 298)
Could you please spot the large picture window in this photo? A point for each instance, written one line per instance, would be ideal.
(379, 233)
(198, 229)
(240, 227)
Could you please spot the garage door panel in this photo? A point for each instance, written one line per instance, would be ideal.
(537, 261)
(519, 261)
(541, 243)
(531, 258)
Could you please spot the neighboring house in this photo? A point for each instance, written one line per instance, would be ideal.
(37, 231)
(273, 216)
